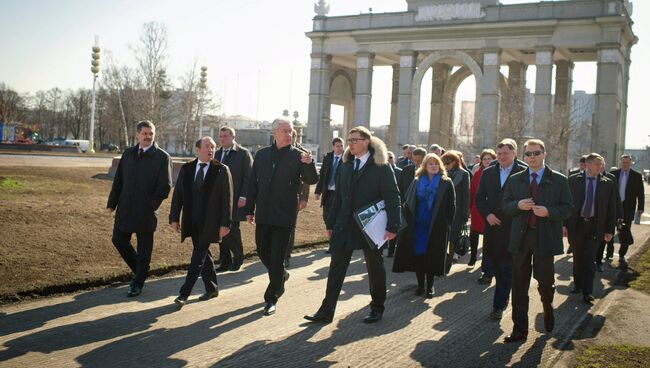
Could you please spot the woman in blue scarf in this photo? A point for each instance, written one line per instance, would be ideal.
(429, 211)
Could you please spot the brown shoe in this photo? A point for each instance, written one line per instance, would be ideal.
(516, 336)
(549, 319)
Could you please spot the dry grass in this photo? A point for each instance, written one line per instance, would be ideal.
(55, 230)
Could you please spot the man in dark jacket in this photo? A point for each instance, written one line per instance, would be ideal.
(593, 220)
(538, 200)
(632, 194)
(240, 164)
(327, 176)
(204, 193)
(363, 179)
(408, 172)
(272, 203)
(142, 181)
(496, 258)
(398, 178)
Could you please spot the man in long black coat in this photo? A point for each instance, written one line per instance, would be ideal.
(364, 178)
(204, 193)
(327, 176)
(632, 194)
(272, 203)
(240, 163)
(142, 181)
(497, 225)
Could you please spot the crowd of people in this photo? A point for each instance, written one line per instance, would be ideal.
(521, 208)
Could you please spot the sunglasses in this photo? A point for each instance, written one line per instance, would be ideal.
(532, 153)
(355, 140)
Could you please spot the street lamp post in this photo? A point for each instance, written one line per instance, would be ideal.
(202, 86)
(95, 70)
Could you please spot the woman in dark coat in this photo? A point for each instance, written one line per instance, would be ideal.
(477, 225)
(460, 178)
(429, 211)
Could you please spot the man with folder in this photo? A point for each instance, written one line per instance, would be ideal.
(364, 178)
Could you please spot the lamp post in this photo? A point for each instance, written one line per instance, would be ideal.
(202, 86)
(95, 70)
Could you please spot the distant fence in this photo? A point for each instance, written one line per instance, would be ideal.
(38, 147)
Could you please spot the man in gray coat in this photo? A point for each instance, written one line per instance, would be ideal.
(142, 181)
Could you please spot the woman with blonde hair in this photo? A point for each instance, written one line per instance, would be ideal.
(429, 210)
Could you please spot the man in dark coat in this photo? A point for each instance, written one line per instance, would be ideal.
(593, 220)
(327, 176)
(363, 179)
(496, 258)
(398, 178)
(632, 194)
(240, 163)
(408, 172)
(272, 203)
(619, 219)
(538, 200)
(204, 193)
(142, 181)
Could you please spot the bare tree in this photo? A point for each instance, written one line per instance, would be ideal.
(12, 104)
(151, 55)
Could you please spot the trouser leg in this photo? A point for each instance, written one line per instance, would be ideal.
(145, 248)
(279, 241)
(233, 244)
(122, 242)
(503, 275)
(376, 278)
(339, 262)
(521, 273)
(200, 264)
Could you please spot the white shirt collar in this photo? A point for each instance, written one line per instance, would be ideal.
(363, 158)
(144, 149)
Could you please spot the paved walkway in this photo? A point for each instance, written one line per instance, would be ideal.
(103, 328)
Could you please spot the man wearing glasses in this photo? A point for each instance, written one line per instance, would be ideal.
(539, 201)
(364, 178)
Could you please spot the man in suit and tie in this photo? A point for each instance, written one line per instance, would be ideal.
(364, 178)
(592, 221)
(240, 164)
(327, 176)
(142, 181)
(539, 201)
(272, 203)
(497, 261)
(409, 157)
(582, 168)
(204, 194)
(632, 194)
(404, 157)
(408, 172)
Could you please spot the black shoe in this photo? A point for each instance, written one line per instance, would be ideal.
(471, 262)
(516, 336)
(484, 280)
(286, 276)
(576, 291)
(223, 268)
(180, 301)
(588, 298)
(599, 268)
(236, 266)
(622, 264)
(269, 309)
(496, 314)
(569, 250)
(319, 318)
(373, 317)
(429, 293)
(134, 291)
(210, 295)
(549, 319)
(328, 252)
(419, 291)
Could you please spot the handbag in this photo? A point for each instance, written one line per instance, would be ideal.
(463, 242)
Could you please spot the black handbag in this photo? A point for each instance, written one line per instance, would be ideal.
(463, 242)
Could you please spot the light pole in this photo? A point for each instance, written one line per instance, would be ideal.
(202, 86)
(95, 70)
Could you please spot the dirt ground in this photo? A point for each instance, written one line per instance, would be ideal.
(55, 230)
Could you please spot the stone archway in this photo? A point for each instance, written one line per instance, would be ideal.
(342, 93)
(472, 66)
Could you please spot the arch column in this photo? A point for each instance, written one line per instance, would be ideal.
(392, 129)
(407, 128)
(609, 137)
(561, 129)
(363, 95)
(542, 113)
(488, 104)
(438, 130)
(513, 122)
(319, 104)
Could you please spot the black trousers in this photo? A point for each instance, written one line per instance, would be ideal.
(200, 264)
(138, 261)
(585, 247)
(232, 244)
(524, 264)
(339, 262)
(292, 239)
(272, 243)
(473, 244)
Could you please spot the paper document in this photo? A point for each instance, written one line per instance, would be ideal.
(373, 220)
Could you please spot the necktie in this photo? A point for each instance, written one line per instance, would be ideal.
(532, 219)
(224, 154)
(140, 152)
(334, 166)
(357, 164)
(622, 185)
(198, 181)
(588, 206)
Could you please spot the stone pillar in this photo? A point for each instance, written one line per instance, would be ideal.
(319, 105)
(608, 139)
(542, 109)
(488, 109)
(407, 130)
(392, 129)
(560, 132)
(439, 132)
(363, 95)
(513, 123)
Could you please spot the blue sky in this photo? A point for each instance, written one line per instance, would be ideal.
(245, 44)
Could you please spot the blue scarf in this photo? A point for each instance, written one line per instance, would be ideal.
(427, 189)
